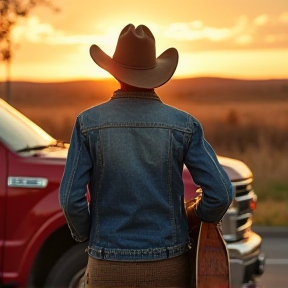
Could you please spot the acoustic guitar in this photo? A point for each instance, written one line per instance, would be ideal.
(209, 259)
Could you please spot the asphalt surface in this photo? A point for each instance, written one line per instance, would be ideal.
(275, 248)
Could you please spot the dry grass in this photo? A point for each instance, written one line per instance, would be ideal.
(245, 120)
(271, 212)
(257, 134)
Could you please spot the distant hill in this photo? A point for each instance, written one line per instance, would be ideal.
(222, 89)
(204, 89)
(58, 93)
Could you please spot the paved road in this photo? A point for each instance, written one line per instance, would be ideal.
(275, 247)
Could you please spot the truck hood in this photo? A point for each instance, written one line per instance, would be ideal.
(57, 153)
(236, 170)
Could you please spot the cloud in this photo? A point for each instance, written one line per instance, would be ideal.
(261, 20)
(283, 18)
(244, 39)
(260, 32)
(196, 31)
(254, 33)
(34, 31)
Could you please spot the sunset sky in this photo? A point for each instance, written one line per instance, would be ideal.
(226, 38)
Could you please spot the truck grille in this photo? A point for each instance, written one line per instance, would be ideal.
(237, 222)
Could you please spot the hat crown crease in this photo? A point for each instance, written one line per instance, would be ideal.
(139, 32)
(135, 48)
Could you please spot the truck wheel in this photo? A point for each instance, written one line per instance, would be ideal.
(68, 270)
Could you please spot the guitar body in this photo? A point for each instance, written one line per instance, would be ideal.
(208, 254)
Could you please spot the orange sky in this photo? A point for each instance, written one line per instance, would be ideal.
(226, 38)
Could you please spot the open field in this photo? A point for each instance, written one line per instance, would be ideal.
(247, 120)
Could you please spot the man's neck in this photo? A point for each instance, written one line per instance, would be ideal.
(129, 88)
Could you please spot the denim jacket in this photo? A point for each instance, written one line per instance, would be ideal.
(130, 153)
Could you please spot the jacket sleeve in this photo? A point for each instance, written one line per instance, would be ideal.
(73, 188)
(207, 172)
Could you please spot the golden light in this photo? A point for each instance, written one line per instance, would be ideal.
(56, 49)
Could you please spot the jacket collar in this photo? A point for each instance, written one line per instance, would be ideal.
(118, 94)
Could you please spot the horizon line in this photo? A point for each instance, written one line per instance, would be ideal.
(86, 79)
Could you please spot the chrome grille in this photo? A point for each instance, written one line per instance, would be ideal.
(237, 222)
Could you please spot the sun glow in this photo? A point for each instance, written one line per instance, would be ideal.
(234, 64)
(245, 45)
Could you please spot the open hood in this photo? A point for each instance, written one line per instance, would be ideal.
(236, 169)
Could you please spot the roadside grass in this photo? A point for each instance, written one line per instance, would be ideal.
(271, 212)
(266, 154)
(271, 190)
(263, 149)
(254, 131)
(270, 182)
(272, 206)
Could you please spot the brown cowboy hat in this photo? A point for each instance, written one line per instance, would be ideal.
(134, 61)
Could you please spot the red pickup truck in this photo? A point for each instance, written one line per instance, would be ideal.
(36, 248)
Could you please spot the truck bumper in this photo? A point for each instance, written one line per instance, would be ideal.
(246, 261)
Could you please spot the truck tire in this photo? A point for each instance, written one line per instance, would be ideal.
(68, 270)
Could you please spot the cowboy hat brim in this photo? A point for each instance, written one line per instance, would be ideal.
(154, 77)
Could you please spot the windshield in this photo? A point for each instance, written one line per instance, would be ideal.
(18, 132)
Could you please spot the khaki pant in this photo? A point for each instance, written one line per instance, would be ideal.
(172, 272)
